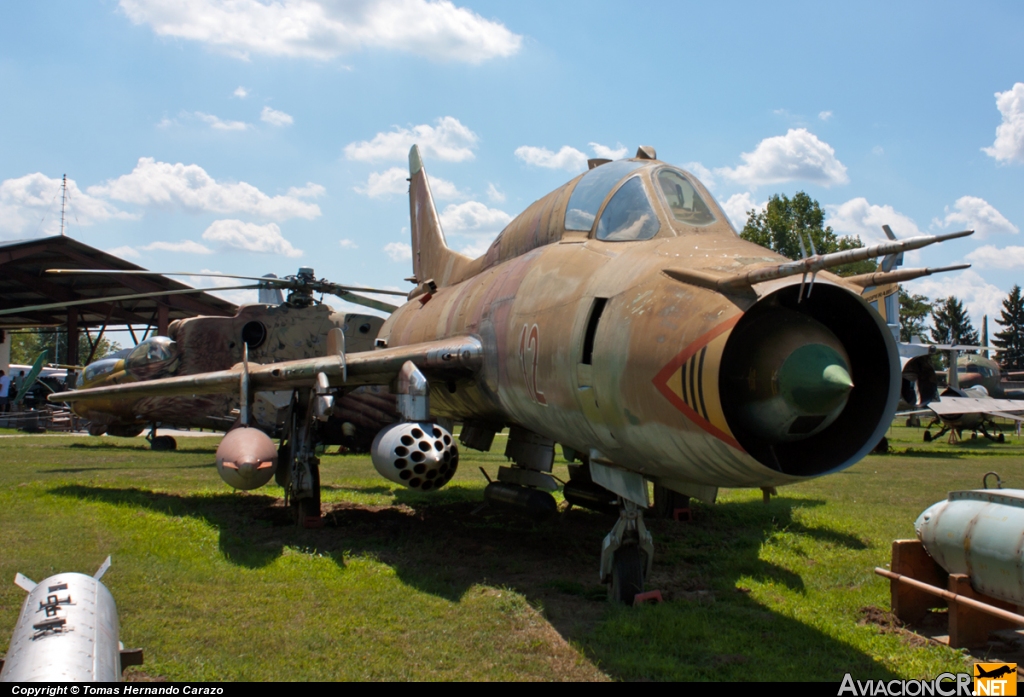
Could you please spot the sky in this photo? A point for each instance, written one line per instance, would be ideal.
(258, 136)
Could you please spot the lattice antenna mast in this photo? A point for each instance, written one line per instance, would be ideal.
(63, 201)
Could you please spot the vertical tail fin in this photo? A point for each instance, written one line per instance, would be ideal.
(431, 257)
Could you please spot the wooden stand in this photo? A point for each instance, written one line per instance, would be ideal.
(916, 585)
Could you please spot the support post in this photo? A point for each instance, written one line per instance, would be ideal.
(909, 558)
(969, 627)
(162, 313)
(72, 357)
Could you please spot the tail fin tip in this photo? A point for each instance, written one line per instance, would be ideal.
(415, 162)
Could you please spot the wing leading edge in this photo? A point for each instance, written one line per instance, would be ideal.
(447, 358)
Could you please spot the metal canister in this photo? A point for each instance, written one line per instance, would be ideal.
(979, 533)
(67, 632)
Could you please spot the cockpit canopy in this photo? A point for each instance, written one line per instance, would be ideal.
(630, 214)
(151, 357)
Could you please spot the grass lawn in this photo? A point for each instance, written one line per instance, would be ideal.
(219, 585)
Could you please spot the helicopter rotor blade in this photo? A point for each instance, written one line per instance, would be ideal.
(317, 286)
(366, 302)
(115, 298)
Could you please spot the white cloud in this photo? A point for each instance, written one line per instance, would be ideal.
(1009, 143)
(240, 92)
(124, 252)
(310, 190)
(323, 30)
(398, 251)
(473, 217)
(494, 195)
(183, 247)
(238, 297)
(824, 115)
(976, 214)
(707, 178)
(738, 208)
(219, 124)
(166, 123)
(154, 183)
(478, 247)
(616, 153)
(567, 158)
(858, 217)
(978, 296)
(797, 156)
(347, 244)
(30, 206)
(448, 140)
(992, 257)
(394, 181)
(275, 117)
(250, 237)
(878, 150)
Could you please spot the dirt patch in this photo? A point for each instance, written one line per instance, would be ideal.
(888, 623)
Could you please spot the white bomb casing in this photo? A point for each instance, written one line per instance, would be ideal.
(67, 632)
(417, 454)
(246, 458)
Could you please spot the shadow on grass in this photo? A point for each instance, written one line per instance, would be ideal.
(441, 547)
(106, 445)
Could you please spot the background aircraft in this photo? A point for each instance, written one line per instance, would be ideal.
(272, 331)
(621, 316)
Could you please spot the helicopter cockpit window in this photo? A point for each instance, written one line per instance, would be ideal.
(150, 357)
(686, 204)
(591, 191)
(97, 369)
(629, 215)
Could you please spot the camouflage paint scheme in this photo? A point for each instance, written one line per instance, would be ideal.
(204, 344)
(649, 381)
(529, 299)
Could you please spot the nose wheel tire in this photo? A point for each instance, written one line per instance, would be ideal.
(627, 574)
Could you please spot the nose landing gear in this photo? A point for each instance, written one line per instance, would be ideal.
(626, 555)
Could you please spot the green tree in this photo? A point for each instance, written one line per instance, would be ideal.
(785, 220)
(1011, 339)
(27, 345)
(951, 325)
(914, 312)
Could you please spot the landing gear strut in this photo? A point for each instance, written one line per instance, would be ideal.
(297, 456)
(626, 555)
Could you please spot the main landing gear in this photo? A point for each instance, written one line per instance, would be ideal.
(626, 555)
(298, 469)
(160, 443)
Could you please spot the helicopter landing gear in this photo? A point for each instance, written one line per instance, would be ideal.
(160, 443)
(626, 555)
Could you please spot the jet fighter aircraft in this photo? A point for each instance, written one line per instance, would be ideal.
(621, 316)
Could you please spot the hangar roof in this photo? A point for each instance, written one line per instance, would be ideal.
(24, 282)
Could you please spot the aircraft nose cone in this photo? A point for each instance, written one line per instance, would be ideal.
(815, 379)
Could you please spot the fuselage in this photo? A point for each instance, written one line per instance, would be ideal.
(589, 342)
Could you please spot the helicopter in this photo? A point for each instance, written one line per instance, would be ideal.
(274, 330)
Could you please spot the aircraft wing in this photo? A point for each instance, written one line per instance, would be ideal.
(444, 359)
(952, 406)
